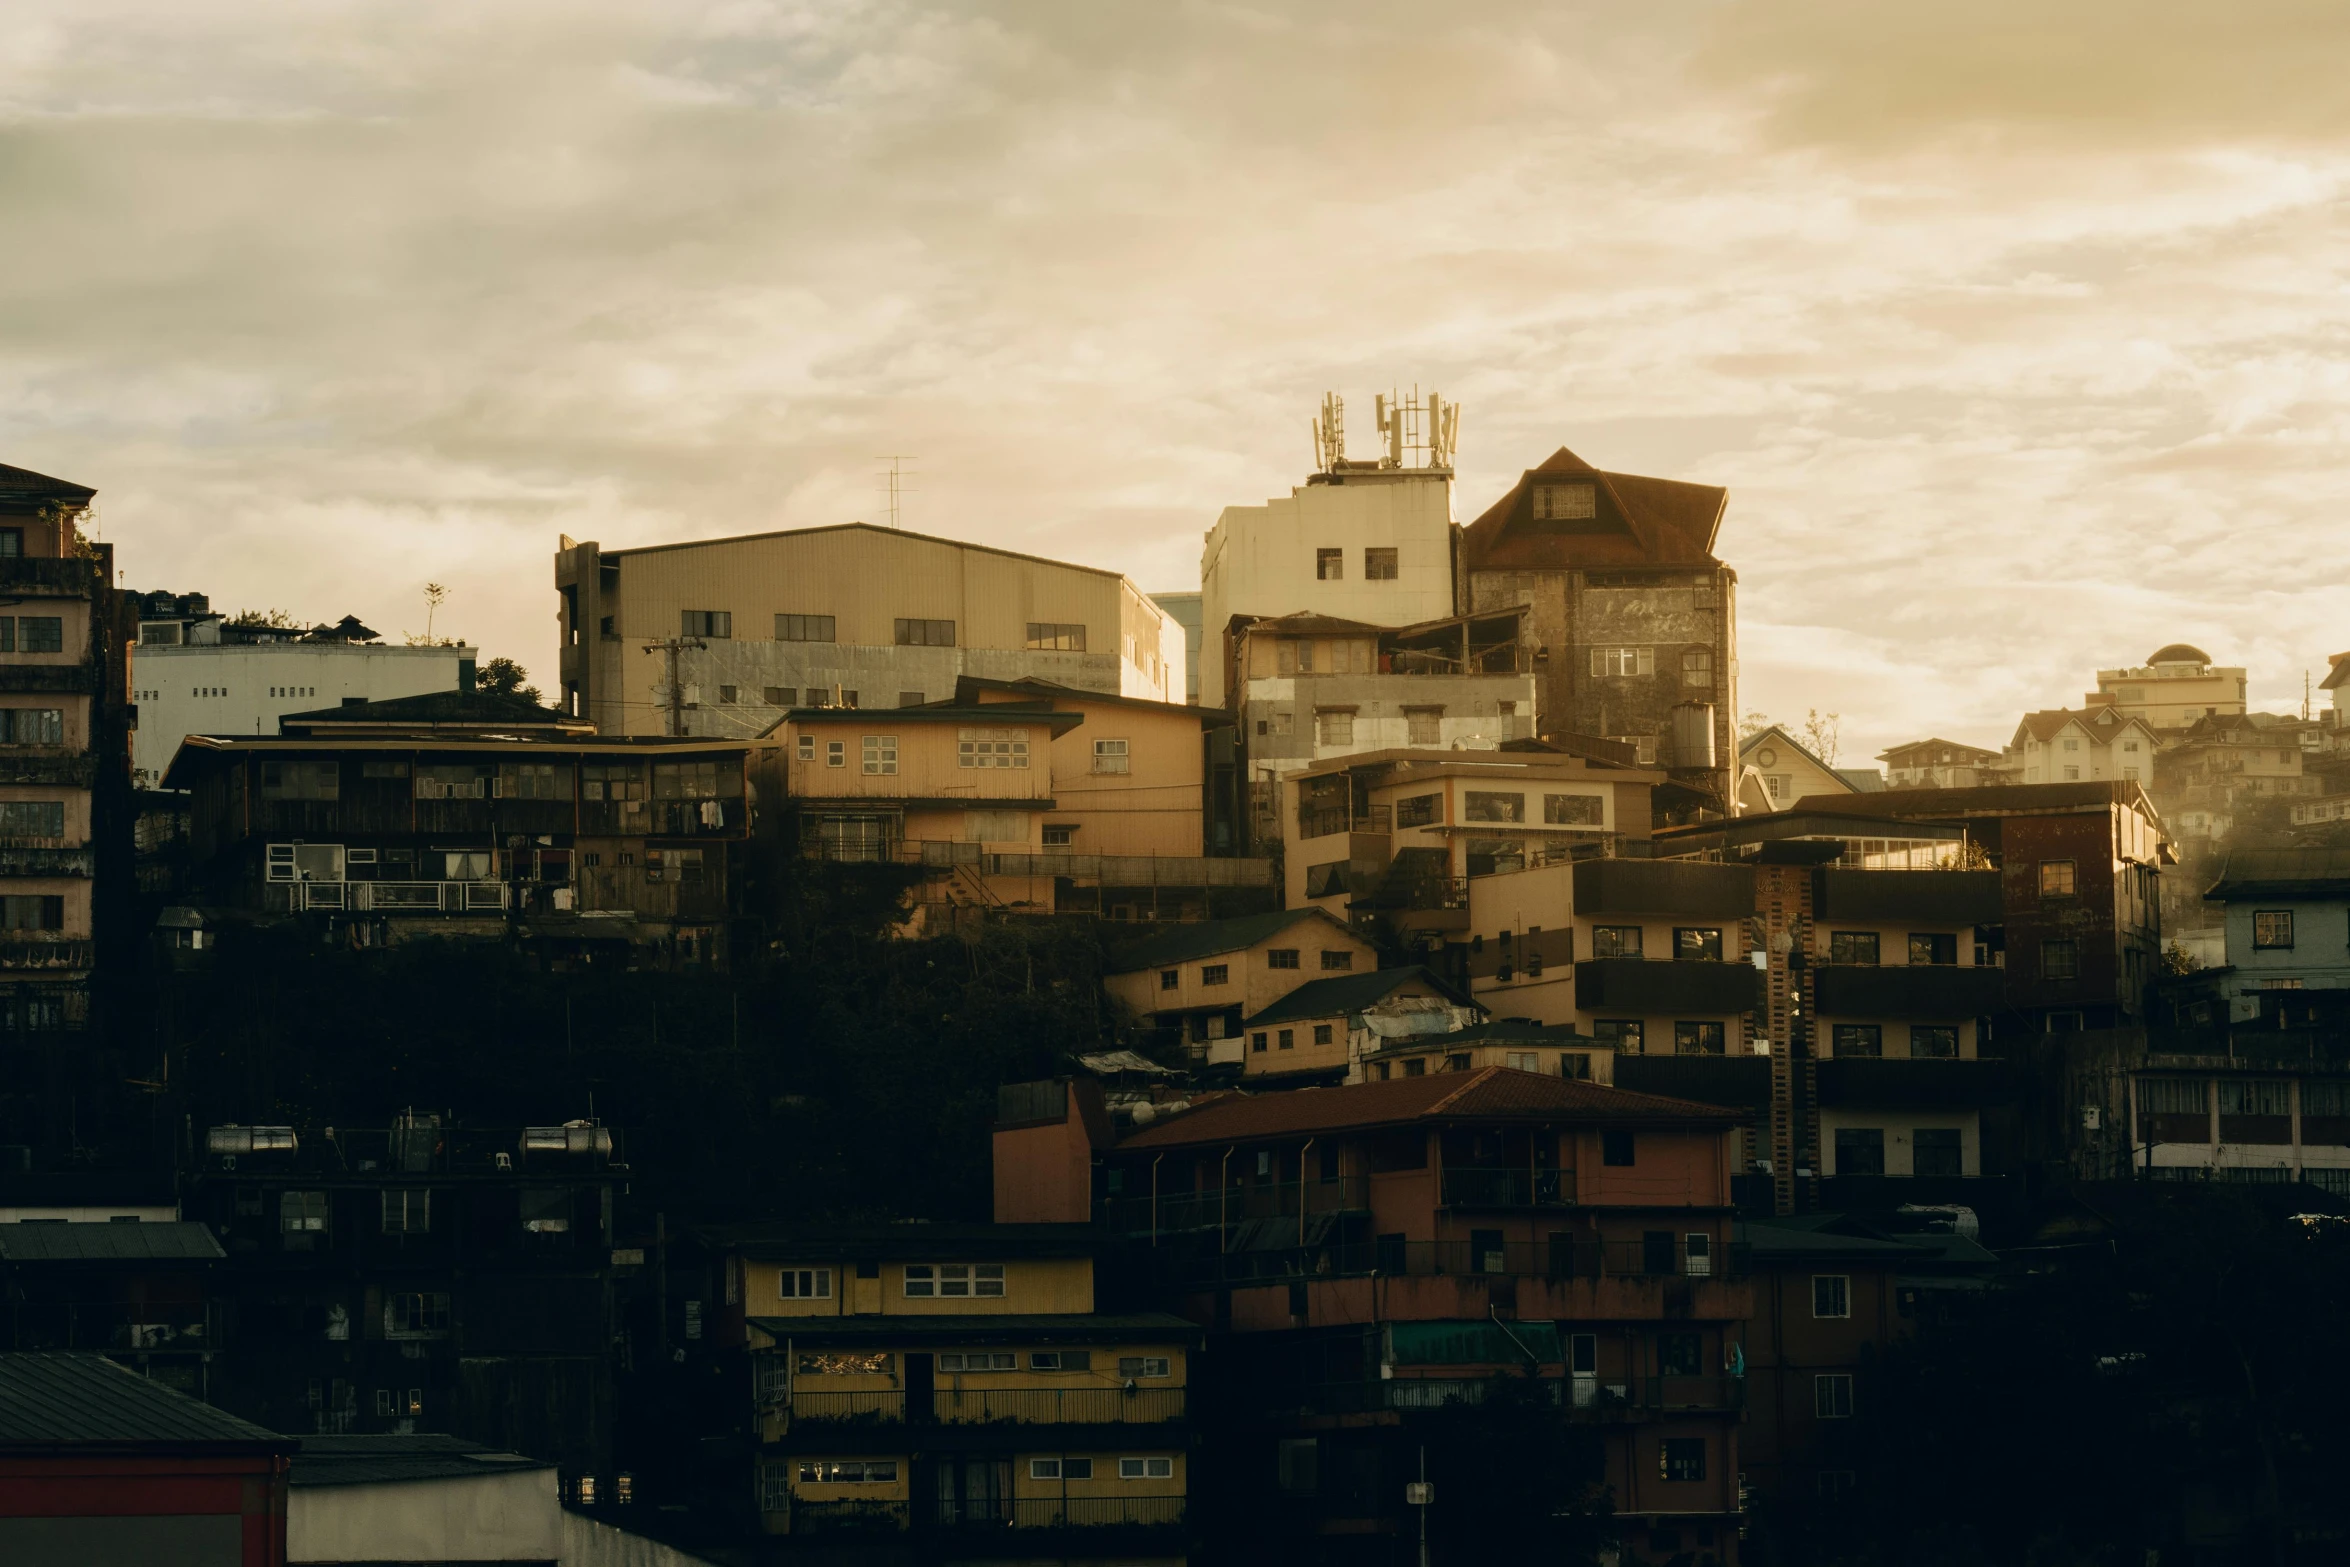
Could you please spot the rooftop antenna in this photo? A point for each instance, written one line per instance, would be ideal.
(1428, 428)
(1330, 434)
(892, 484)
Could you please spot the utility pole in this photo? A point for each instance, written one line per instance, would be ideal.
(1420, 1494)
(673, 646)
(892, 483)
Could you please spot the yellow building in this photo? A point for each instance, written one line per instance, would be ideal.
(1321, 1031)
(1200, 982)
(1775, 770)
(955, 1381)
(723, 636)
(2176, 686)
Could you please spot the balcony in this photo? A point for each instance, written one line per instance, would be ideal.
(1097, 1512)
(1474, 1188)
(1175, 1212)
(967, 1406)
(1925, 897)
(24, 860)
(1738, 1082)
(1910, 990)
(1644, 988)
(396, 897)
(1586, 1398)
(1911, 1085)
(1664, 888)
(1563, 1258)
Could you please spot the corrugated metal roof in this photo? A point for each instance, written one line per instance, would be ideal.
(184, 1241)
(376, 1460)
(2282, 873)
(74, 1399)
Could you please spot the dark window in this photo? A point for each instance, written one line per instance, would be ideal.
(1405, 1148)
(1700, 1039)
(2056, 878)
(1215, 973)
(1940, 948)
(1170, 978)
(1379, 565)
(1421, 810)
(1256, 1042)
(804, 628)
(2060, 959)
(32, 725)
(11, 543)
(40, 634)
(1859, 1039)
(1329, 565)
(1623, 1034)
(1692, 944)
(1657, 1254)
(1937, 1151)
(1574, 810)
(1615, 941)
(1484, 806)
(729, 694)
(32, 818)
(1322, 1037)
(1288, 1039)
(1831, 1295)
(1055, 637)
(1494, 856)
(926, 633)
(1852, 946)
(33, 911)
(783, 696)
(1680, 1354)
(909, 699)
(1615, 1147)
(2272, 929)
(1831, 1395)
(717, 623)
(1059, 835)
(1337, 962)
(1860, 1150)
(1281, 957)
(1327, 880)
(1933, 1041)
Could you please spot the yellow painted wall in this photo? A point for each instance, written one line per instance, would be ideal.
(1037, 1287)
(1155, 806)
(1254, 984)
(929, 761)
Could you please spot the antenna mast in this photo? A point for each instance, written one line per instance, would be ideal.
(892, 484)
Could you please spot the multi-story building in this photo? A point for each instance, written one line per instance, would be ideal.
(1366, 1254)
(2285, 913)
(1199, 983)
(424, 1276)
(585, 848)
(950, 1392)
(1363, 540)
(65, 810)
(1557, 1050)
(2177, 685)
(724, 636)
(1185, 609)
(1323, 1031)
(135, 1288)
(1939, 764)
(199, 673)
(1635, 621)
(2077, 747)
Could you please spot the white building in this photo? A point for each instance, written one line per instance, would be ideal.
(2058, 746)
(199, 676)
(1368, 540)
(2174, 687)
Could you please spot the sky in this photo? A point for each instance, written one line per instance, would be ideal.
(2019, 333)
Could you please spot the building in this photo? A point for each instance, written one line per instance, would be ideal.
(2075, 747)
(100, 1464)
(1635, 622)
(1323, 1031)
(425, 1276)
(1363, 540)
(2177, 685)
(420, 1498)
(1365, 1254)
(1556, 1050)
(1311, 688)
(956, 1389)
(65, 804)
(1776, 769)
(2286, 912)
(1199, 983)
(724, 636)
(1938, 764)
(1185, 609)
(200, 674)
(587, 849)
(139, 1291)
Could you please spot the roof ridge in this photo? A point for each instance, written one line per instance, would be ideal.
(1476, 1079)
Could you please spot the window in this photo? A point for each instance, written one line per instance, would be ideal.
(301, 781)
(804, 628)
(1615, 1148)
(2072, 774)
(1623, 1034)
(1334, 962)
(1059, 835)
(1619, 663)
(1938, 949)
(868, 1471)
(1697, 668)
(2060, 958)
(1170, 979)
(2056, 878)
(1481, 806)
(1326, 880)
(1852, 946)
(991, 748)
(1836, 1484)
(1060, 1469)
(1423, 725)
(926, 1280)
(546, 1210)
(1565, 502)
(2072, 745)
(1866, 1040)
(783, 696)
(1322, 1033)
(1281, 957)
(1061, 1360)
(1288, 1039)
(2272, 929)
(32, 726)
(1860, 1150)
(1933, 1041)
(1256, 1043)
(1615, 941)
(1379, 565)
(881, 754)
(1334, 726)
(1697, 945)
(717, 623)
(1143, 1366)
(1680, 1354)
(979, 1360)
(1146, 1468)
(1329, 565)
(1421, 810)
(729, 694)
(836, 753)
(451, 781)
(1574, 810)
(1700, 1039)
(302, 1213)
(804, 1284)
(1055, 637)
(414, 1313)
(1109, 756)
(1682, 1458)
(1831, 1395)
(2252, 1096)
(1493, 856)
(926, 633)
(33, 911)
(1937, 1150)
(45, 634)
(995, 827)
(1831, 1295)
(1215, 974)
(407, 1211)
(11, 543)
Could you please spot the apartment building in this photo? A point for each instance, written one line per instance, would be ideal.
(65, 817)
(1200, 983)
(2177, 685)
(722, 637)
(953, 1388)
(1938, 764)
(199, 673)
(2058, 746)
(1371, 1252)
(1634, 619)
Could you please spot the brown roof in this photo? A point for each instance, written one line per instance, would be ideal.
(1490, 1094)
(1960, 747)
(1995, 800)
(1640, 522)
(1304, 620)
(23, 482)
(2338, 674)
(2050, 722)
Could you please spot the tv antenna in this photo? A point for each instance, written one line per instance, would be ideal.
(892, 484)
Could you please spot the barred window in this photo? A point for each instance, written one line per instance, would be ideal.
(2173, 1096)
(32, 726)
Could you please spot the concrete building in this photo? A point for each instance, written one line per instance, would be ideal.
(1938, 764)
(199, 674)
(1635, 622)
(724, 636)
(1367, 540)
(1185, 608)
(2174, 687)
(2061, 746)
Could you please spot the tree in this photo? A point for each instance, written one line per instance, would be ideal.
(273, 620)
(504, 677)
(1819, 735)
(1751, 725)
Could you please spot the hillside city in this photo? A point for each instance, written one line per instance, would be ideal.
(899, 1050)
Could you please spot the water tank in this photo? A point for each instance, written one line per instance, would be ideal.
(1693, 734)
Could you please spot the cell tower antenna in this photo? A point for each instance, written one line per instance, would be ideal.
(1330, 434)
(892, 484)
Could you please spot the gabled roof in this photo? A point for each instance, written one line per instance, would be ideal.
(438, 711)
(1959, 749)
(974, 713)
(1305, 622)
(2338, 674)
(1490, 1094)
(2282, 873)
(969, 687)
(184, 1241)
(902, 535)
(1774, 734)
(1641, 521)
(378, 1460)
(1994, 800)
(1347, 993)
(23, 483)
(88, 1400)
(1187, 942)
(2048, 723)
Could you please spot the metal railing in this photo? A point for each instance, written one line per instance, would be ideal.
(399, 897)
(1494, 1188)
(1097, 1512)
(1057, 1405)
(1172, 1212)
(1324, 820)
(847, 1517)
(881, 1406)
(1587, 1397)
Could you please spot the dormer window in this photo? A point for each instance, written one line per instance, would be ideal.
(1565, 502)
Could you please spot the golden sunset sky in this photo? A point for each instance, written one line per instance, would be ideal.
(2018, 331)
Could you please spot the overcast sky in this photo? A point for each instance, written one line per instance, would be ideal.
(2018, 331)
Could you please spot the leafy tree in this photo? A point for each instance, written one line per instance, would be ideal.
(504, 677)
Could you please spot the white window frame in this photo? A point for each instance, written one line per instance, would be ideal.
(1842, 1285)
(1831, 1395)
(804, 1284)
(1146, 1467)
(1112, 756)
(880, 755)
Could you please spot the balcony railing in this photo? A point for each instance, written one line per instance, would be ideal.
(1324, 820)
(1474, 1188)
(1173, 1212)
(1097, 1512)
(881, 1406)
(1588, 1398)
(1655, 987)
(1113, 870)
(847, 1517)
(398, 897)
(1562, 1258)
(995, 1406)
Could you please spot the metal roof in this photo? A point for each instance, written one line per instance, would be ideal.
(377, 1460)
(180, 1241)
(76, 1400)
(2282, 873)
